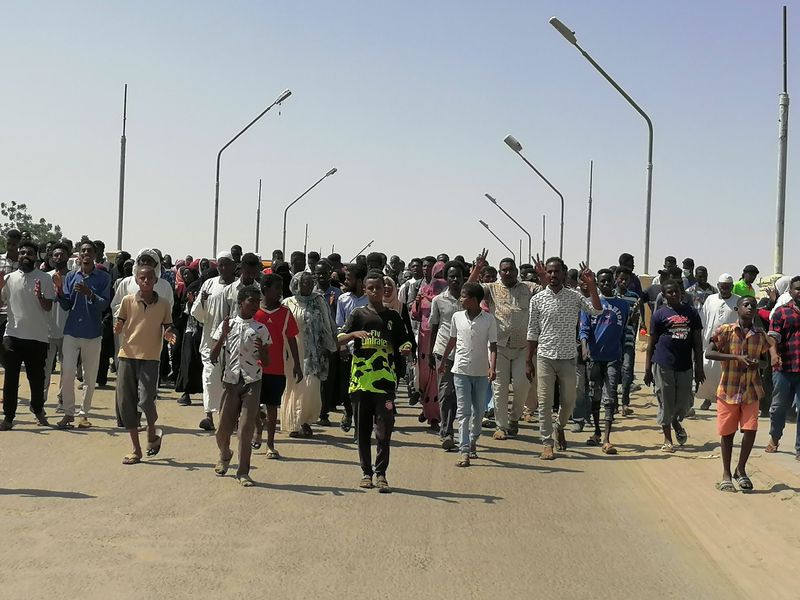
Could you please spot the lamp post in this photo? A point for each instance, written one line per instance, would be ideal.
(293, 202)
(284, 95)
(544, 235)
(512, 143)
(494, 235)
(569, 35)
(258, 215)
(525, 231)
(783, 138)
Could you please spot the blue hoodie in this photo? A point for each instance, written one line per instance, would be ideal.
(605, 333)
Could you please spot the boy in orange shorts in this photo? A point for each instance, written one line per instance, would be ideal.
(740, 347)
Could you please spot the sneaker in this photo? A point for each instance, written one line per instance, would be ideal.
(434, 426)
(413, 399)
(207, 424)
(382, 485)
(84, 423)
(6, 425)
(65, 422)
(705, 405)
(184, 401)
(448, 443)
(473, 451)
(513, 429)
(324, 422)
(41, 419)
(366, 482)
(577, 426)
(499, 434)
(347, 422)
(488, 423)
(690, 414)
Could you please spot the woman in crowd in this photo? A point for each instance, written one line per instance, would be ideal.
(316, 339)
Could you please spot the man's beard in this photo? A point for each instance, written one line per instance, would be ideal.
(26, 264)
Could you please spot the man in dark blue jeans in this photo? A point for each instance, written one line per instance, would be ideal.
(784, 328)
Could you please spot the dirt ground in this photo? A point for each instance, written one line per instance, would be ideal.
(76, 523)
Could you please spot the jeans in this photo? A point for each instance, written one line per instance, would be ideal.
(470, 394)
(89, 351)
(582, 401)
(32, 354)
(447, 399)
(55, 349)
(550, 372)
(785, 392)
(374, 412)
(603, 378)
(510, 369)
(627, 363)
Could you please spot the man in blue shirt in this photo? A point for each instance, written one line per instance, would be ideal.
(85, 293)
(602, 341)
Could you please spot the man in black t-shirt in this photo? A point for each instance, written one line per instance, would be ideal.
(379, 339)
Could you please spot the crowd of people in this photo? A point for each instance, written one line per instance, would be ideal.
(283, 344)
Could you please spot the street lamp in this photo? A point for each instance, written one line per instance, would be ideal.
(362, 250)
(494, 235)
(569, 35)
(530, 240)
(291, 204)
(284, 95)
(512, 143)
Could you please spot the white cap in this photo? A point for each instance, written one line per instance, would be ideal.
(725, 278)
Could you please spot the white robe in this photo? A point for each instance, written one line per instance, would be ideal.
(715, 311)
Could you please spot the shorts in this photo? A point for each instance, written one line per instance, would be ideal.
(137, 386)
(272, 388)
(731, 417)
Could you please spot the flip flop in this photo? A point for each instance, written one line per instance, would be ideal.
(771, 448)
(668, 448)
(681, 436)
(255, 445)
(744, 482)
(245, 481)
(273, 454)
(222, 466)
(608, 449)
(593, 441)
(153, 448)
(131, 459)
(726, 486)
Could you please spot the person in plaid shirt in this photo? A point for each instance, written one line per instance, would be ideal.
(739, 346)
(784, 327)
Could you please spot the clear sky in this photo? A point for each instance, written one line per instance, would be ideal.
(411, 102)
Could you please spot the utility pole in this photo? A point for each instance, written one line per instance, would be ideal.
(544, 233)
(258, 215)
(589, 224)
(122, 169)
(783, 138)
(305, 240)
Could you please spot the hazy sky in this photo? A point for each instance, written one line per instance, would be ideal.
(411, 102)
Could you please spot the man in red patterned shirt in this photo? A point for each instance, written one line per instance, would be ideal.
(739, 346)
(784, 327)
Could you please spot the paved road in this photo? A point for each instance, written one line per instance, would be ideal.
(77, 523)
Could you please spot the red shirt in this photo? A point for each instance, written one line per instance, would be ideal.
(281, 325)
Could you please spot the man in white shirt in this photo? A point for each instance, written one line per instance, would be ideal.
(554, 314)
(212, 375)
(443, 307)
(28, 294)
(58, 319)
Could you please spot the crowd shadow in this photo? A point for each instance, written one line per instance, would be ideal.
(448, 496)
(36, 493)
(171, 462)
(311, 490)
(539, 468)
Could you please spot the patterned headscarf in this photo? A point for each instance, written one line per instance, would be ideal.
(316, 324)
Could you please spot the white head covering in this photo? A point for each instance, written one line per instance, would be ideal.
(782, 285)
(227, 255)
(725, 278)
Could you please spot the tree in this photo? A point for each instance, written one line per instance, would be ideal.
(17, 217)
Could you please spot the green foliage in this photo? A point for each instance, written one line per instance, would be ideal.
(16, 216)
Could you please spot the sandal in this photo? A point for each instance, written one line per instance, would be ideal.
(463, 461)
(245, 481)
(255, 444)
(593, 441)
(366, 482)
(222, 466)
(771, 448)
(65, 423)
(668, 448)
(131, 459)
(561, 440)
(153, 448)
(273, 454)
(726, 486)
(608, 448)
(681, 436)
(743, 481)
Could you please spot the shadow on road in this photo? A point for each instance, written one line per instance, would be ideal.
(449, 497)
(33, 493)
